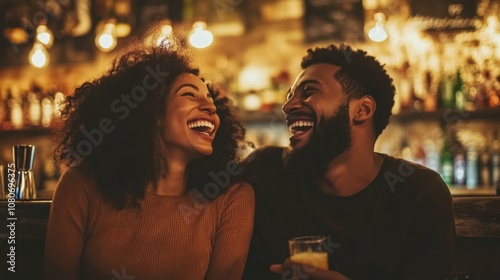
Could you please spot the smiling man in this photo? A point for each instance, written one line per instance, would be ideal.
(383, 218)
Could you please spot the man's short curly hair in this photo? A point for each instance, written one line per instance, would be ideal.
(359, 75)
(111, 131)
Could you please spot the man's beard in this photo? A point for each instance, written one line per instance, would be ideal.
(331, 139)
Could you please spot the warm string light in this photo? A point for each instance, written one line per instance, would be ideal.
(200, 37)
(107, 40)
(44, 36)
(378, 33)
(165, 35)
(38, 56)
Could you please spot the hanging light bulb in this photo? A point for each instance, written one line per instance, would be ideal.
(106, 40)
(377, 33)
(38, 56)
(200, 37)
(44, 35)
(165, 34)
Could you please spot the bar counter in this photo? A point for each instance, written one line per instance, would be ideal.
(477, 221)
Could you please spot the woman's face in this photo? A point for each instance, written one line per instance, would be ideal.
(190, 120)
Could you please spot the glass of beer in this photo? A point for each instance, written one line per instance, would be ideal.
(309, 251)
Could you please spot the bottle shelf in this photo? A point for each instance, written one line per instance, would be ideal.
(447, 116)
(36, 131)
(479, 191)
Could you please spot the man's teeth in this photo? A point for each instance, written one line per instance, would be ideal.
(301, 124)
(208, 124)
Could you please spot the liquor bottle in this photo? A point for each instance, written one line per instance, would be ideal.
(495, 160)
(3, 110)
(494, 94)
(484, 169)
(16, 111)
(25, 108)
(47, 111)
(458, 161)
(472, 156)
(35, 107)
(7, 105)
(446, 162)
(419, 154)
(406, 152)
(432, 159)
(481, 101)
(430, 101)
(459, 92)
(446, 95)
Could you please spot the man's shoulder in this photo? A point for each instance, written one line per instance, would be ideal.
(264, 157)
(263, 164)
(403, 175)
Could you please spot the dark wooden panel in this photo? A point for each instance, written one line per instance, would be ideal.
(474, 217)
(32, 217)
(477, 216)
(338, 20)
(479, 256)
(477, 221)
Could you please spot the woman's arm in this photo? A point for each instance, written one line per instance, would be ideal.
(64, 241)
(232, 238)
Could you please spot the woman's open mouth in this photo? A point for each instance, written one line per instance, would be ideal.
(202, 126)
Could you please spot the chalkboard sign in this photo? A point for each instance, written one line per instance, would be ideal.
(444, 15)
(337, 20)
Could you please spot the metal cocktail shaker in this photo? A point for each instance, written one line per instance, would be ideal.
(24, 156)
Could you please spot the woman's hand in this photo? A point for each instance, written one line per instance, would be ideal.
(293, 271)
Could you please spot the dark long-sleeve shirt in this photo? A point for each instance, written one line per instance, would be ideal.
(401, 226)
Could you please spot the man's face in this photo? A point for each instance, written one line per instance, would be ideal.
(317, 113)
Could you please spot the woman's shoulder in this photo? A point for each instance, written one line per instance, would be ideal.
(75, 181)
(237, 192)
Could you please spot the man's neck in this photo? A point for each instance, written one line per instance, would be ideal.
(351, 172)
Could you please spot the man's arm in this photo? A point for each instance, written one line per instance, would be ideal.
(429, 246)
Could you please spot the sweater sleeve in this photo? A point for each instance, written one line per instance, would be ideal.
(66, 228)
(232, 237)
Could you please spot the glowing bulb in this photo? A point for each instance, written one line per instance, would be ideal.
(107, 40)
(200, 37)
(377, 33)
(39, 57)
(163, 39)
(44, 35)
(252, 102)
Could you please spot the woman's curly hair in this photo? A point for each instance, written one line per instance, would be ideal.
(110, 126)
(359, 75)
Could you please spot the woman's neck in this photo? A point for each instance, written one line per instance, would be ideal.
(173, 184)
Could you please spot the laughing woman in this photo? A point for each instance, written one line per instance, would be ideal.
(150, 151)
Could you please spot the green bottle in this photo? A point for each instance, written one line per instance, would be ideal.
(459, 92)
(447, 162)
(446, 94)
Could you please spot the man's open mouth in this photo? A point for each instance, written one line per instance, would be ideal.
(299, 127)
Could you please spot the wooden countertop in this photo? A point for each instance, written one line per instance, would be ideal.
(475, 216)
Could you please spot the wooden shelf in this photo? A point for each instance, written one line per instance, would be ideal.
(274, 115)
(480, 191)
(37, 131)
(447, 116)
